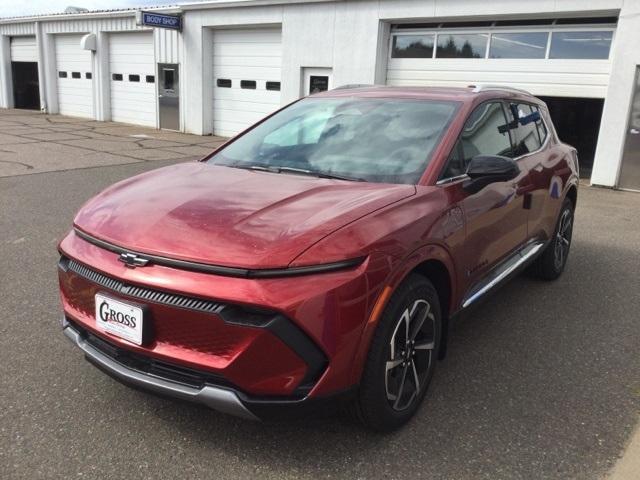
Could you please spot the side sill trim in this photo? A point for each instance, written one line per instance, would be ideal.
(216, 398)
(503, 271)
(220, 269)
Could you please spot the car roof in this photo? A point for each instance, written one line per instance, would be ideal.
(460, 94)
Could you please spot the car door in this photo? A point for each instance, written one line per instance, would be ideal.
(495, 220)
(542, 188)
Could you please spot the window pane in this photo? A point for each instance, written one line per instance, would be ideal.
(462, 45)
(412, 46)
(376, 139)
(524, 129)
(586, 45)
(484, 133)
(518, 45)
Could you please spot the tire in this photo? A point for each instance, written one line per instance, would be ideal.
(551, 262)
(385, 401)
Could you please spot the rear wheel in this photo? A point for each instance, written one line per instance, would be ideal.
(550, 264)
(402, 357)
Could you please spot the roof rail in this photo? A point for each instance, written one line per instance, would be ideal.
(353, 85)
(483, 88)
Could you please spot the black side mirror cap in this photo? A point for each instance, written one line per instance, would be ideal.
(486, 169)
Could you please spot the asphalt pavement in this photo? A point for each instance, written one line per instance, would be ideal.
(541, 381)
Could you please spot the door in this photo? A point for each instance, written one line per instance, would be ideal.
(247, 74)
(495, 219)
(132, 78)
(74, 77)
(26, 91)
(169, 95)
(630, 172)
(24, 72)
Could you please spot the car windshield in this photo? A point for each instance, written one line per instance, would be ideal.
(368, 139)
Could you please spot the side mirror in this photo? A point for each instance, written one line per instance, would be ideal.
(486, 169)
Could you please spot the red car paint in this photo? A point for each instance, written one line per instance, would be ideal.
(255, 220)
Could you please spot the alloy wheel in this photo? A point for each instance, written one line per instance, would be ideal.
(410, 355)
(563, 239)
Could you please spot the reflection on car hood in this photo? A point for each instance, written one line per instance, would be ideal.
(226, 216)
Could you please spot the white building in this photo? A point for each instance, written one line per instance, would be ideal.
(235, 61)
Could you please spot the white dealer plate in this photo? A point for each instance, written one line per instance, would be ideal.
(119, 318)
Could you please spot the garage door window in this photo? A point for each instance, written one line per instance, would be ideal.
(462, 45)
(413, 46)
(582, 45)
(519, 45)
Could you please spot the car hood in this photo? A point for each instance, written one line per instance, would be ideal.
(228, 216)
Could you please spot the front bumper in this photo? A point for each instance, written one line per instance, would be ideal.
(191, 385)
(218, 398)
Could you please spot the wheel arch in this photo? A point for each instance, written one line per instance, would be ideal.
(572, 194)
(433, 262)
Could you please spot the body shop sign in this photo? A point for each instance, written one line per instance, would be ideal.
(160, 20)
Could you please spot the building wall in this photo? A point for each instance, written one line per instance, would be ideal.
(351, 37)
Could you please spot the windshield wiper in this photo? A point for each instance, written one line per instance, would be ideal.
(264, 167)
(319, 174)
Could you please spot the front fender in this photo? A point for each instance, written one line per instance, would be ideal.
(400, 271)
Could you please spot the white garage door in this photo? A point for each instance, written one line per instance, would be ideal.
(132, 74)
(75, 77)
(557, 59)
(247, 71)
(24, 49)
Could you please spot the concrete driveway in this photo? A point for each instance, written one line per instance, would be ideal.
(33, 143)
(541, 382)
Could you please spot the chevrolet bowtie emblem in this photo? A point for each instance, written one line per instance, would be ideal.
(132, 260)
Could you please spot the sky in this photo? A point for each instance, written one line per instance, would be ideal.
(17, 8)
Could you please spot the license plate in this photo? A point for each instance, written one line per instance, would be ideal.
(119, 318)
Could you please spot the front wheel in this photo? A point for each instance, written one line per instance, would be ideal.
(550, 264)
(402, 356)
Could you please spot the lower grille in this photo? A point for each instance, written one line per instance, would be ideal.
(150, 366)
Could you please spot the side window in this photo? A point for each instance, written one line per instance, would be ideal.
(523, 123)
(484, 133)
(542, 129)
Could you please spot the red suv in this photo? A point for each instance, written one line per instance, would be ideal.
(323, 253)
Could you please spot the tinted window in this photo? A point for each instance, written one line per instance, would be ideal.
(462, 45)
(523, 125)
(248, 84)
(150, 78)
(75, 75)
(376, 139)
(275, 86)
(584, 45)
(88, 75)
(62, 74)
(117, 77)
(223, 83)
(484, 133)
(519, 45)
(412, 46)
(134, 78)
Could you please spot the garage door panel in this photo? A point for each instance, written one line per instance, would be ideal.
(249, 73)
(248, 49)
(75, 95)
(245, 54)
(249, 61)
(24, 49)
(132, 54)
